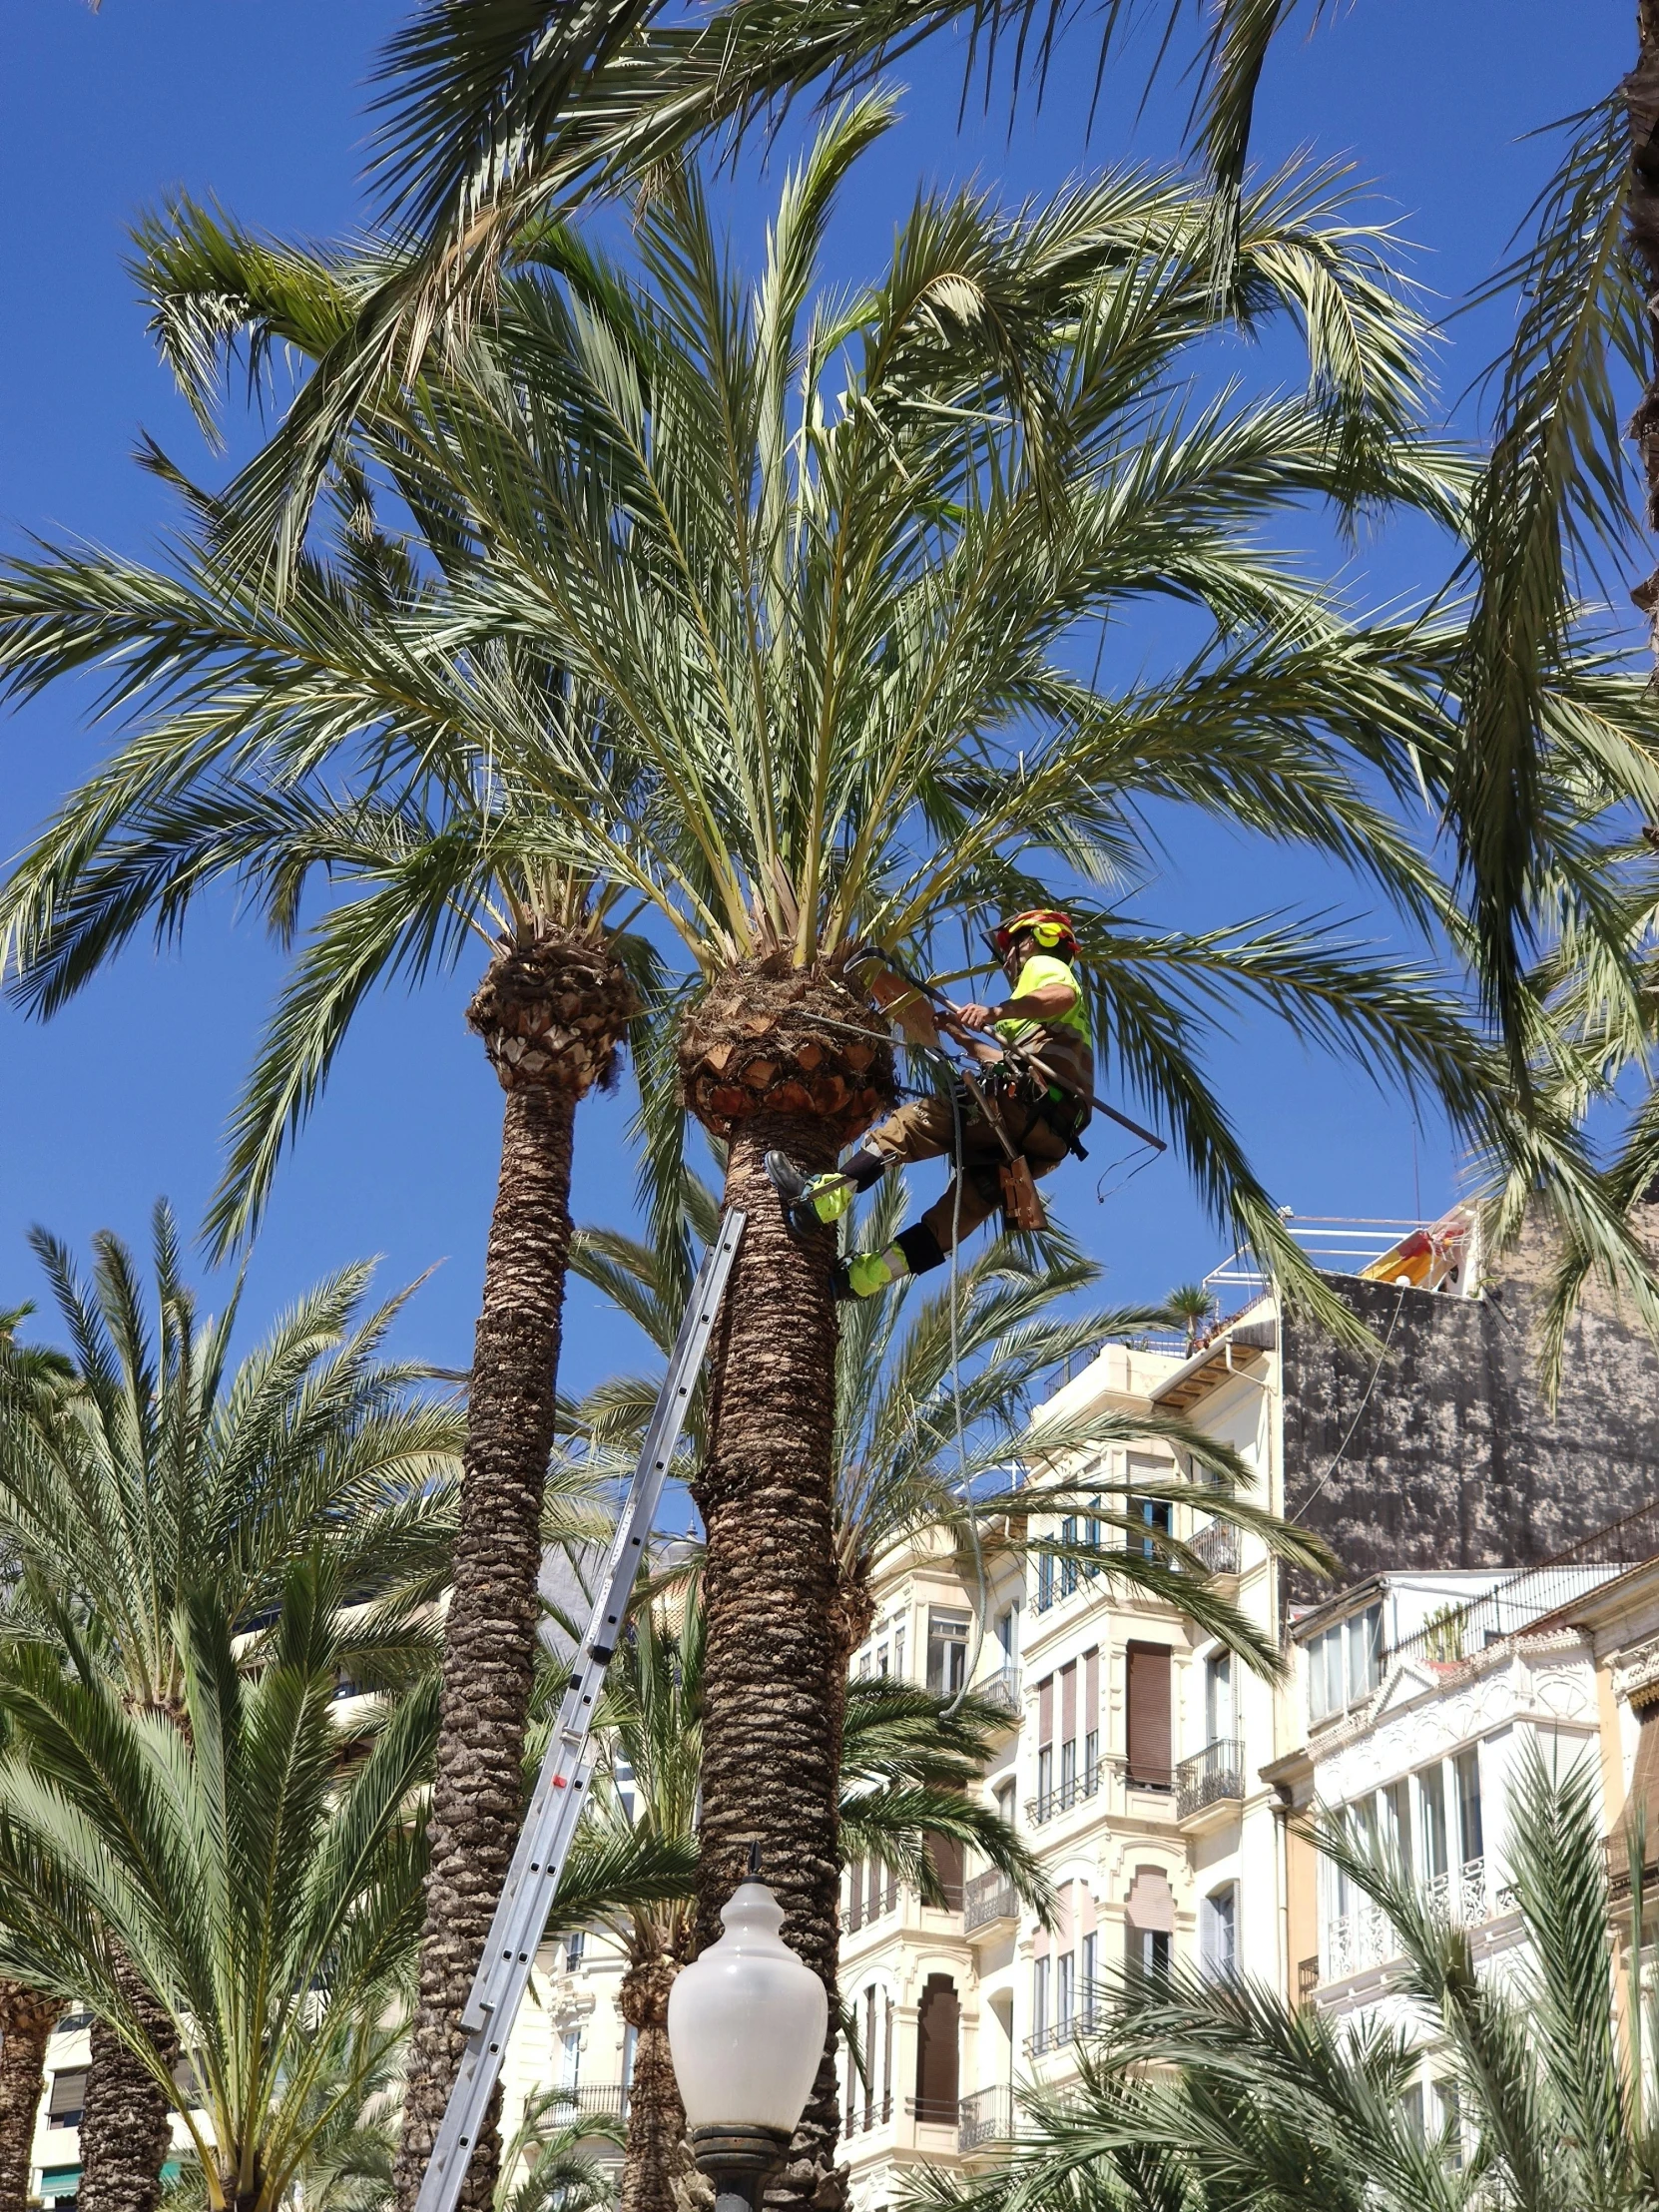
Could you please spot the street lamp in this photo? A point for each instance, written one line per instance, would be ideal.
(746, 2028)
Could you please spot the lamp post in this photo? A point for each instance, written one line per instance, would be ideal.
(746, 2028)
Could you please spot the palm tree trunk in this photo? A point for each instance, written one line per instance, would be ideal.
(490, 1632)
(28, 2019)
(657, 2154)
(124, 2122)
(770, 1749)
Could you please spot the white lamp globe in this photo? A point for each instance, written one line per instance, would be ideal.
(747, 2022)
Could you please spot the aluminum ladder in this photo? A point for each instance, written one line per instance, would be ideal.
(556, 1803)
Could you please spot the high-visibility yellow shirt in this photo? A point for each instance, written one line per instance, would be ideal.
(1041, 970)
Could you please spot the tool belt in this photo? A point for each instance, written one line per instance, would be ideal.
(1065, 1113)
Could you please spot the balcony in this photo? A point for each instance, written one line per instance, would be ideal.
(986, 2118)
(871, 1903)
(1039, 1811)
(1002, 1691)
(1356, 1941)
(1115, 1777)
(1216, 1548)
(989, 1906)
(933, 2112)
(1042, 2040)
(1213, 1778)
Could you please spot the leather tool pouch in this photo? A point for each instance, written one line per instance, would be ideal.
(1021, 1206)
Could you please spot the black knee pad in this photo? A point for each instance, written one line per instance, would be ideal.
(922, 1249)
(866, 1169)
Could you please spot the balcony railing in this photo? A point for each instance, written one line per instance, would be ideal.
(987, 1897)
(1217, 1548)
(1467, 1895)
(1063, 1796)
(1211, 1776)
(933, 2112)
(591, 2097)
(986, 2118)
(866, 2112)
(1002, 1690)
(865, 1908)
(1059, 2035)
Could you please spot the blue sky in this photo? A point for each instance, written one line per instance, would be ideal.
(124, 1096)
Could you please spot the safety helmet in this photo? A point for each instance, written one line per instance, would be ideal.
(1051, 928)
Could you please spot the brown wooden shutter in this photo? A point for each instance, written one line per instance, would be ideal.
(945, 1856)
(1068, 1703)
(856, 1897)
(1091, 1693)
(1149, 1714)
(1045, 1711)
(937, 2067)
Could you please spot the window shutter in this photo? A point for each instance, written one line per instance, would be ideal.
(1149, 1714)
(1091, 1693)
(1045, 1710)
(1068, 1703)
(937, 2070)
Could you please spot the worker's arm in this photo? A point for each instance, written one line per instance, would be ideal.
(1048, 1003)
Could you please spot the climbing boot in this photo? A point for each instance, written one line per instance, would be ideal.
(810, 1201)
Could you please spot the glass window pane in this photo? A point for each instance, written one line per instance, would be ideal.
(1432, 1822)
(1469, 1836)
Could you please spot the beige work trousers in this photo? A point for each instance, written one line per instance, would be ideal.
(925, 1130)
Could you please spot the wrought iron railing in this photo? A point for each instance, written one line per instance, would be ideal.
(933, 2112)
(987, 1897)
(1062, 1797)
(1464, 1631)
(866, 2112)
(1002, 1690)
(1468, 1896)
(1053, 2037)
(592, 2096)
(1212, 1774)
(1216, 1548)
(986, 2118)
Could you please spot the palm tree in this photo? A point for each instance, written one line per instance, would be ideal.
(1201, 2095)
(906, 1767)
(246, 1863)
(1190, 1305)
(808, 575)
(140, 1465)
(263, 756)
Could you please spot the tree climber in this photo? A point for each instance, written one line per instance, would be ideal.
(1041, 1119)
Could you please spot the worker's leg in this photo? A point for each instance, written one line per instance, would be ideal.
(921, 1130)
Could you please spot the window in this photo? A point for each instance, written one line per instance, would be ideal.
(1007, 1634)
(1470, 1842)
(1449, 2122)
(1068, 1768)
(1045, 1582)
(1004, 1795)
(1411, 2104)
(1039, 1995)
(1045, 1781)
(1089, 1979)
(575, 1946)
(1155, 1512)
(630, 2043)
(570, 2058)
(1432, 1822)
(863, 1666)
(1344, 1663)
(947, 1642)
(1068, 1567)
(1217, 1698)
(1395, 1809)
(1065, 1993)
(1091, 1760)
(67, 2099)
(899, 1653)
(938, 2083)
(1219, 1934)
(881, 1660)
(1092, 1536)
(1149, 1951)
